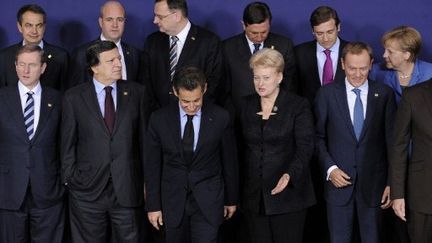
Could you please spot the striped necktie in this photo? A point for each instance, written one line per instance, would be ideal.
(29, 115)
(173, 55)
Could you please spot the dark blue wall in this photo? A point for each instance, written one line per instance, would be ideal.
(72, 22)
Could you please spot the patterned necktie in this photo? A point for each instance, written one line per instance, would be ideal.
(109, 115)
(358, 114)
(256, 47)
(29, 115)
(328, 68)
(188, 139)
(173, 55)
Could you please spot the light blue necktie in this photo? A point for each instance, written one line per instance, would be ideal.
(29, 115)
(358, 114)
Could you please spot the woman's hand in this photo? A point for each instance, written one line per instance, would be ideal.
(283, 182)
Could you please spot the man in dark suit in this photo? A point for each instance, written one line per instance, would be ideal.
(103, 126)
(179, 43)
(410, 163)
(354, 121)
(238, 49)
(112, 21)
(191, 164)
(311, 57)
(31, 193)
(31, 22)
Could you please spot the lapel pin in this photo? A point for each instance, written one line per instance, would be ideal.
(210, 119)
(125, 93)
(275, 108)
(49, 105)
(49, 56)
(272, 47)
(127, 53)
(376, 94)
(193, 37)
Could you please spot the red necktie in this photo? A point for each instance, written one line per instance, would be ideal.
(109, 109)
(328, 68)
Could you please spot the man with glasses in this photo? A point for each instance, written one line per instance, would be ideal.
(31, 23)
(179, 43)
(112, 21)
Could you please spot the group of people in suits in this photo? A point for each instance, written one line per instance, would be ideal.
(311, 135)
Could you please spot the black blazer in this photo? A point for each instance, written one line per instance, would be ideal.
(238, 75)
(90, 154)
(307, 69)
(55, 75)
(79, 73)
(212, 176)
(365, 161)
(24, 162)
(284, 145)
(202, 49)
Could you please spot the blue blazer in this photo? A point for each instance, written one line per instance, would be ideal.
(422, 72)
(365, 161)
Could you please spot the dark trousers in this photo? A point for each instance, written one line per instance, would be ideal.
(281, 228)
(419, 227)
(194, 227)
(32, 224)
(342, 221)
(104, 220)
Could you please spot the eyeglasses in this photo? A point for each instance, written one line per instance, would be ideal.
(162, 17)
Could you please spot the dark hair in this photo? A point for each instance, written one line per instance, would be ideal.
(256, 13)
(189, 78)
(29, 48)
(93, 52)
(34, 8)
(323, 14)
(356, 48)
(180, 5)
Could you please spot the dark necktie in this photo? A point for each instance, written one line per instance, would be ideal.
(188, 139)
(328, 68)
(109, 109)
(256, 47)
(29, 115)
(173, 55)
(358, 114)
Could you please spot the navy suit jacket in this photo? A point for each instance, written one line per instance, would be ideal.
(365, 161)
(55, 75)
(24, 162)
(307, 69)
(212, 176)
(202, 50)
(79, 73)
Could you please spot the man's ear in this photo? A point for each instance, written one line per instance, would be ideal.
(174, 91)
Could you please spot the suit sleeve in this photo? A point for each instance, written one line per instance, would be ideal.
(304, 143)
(399, 152)
(68, 140)
(390, 114)
(153, 167)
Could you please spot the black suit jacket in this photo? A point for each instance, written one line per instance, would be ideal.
(55, 75)
(307, 69)
(78, 72)
(411, 171)
(238, 75)
(202, 49)
(366, 160)
(212, 176)
(91, 155)
(284, 145)
(23, 162)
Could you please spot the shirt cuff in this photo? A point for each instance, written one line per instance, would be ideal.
(332, 168)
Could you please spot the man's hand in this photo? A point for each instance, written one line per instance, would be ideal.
(282, 183)
(399, 208)
(229, 211)
(339, 178)
(386, 202)
(155, 219)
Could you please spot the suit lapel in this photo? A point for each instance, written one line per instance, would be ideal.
(46, 107)
(372, 98)
(123, 94)
(174, 124)
(427, 97)
(341, 100)
(189, 46)
(128, 61)
(243, 49)
(205, 127)
(16, 112)
(90, 99)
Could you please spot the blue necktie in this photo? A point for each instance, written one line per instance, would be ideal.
(358, 114)
(29, 115)
(173, 55)
(256, 47)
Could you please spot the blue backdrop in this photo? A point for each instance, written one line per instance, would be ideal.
(73, 22)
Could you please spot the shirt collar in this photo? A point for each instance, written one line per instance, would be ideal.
(182, 35)
(41, 44)
(102, 37)
(100, 86)
(23, 90)
(334, 48)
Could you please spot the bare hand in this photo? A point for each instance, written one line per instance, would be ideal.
(155, 219)
(339, 178)
(282, 183)
(229, 211)
(399, 208)
(386, 202)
